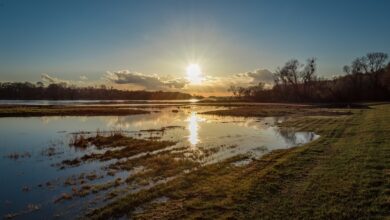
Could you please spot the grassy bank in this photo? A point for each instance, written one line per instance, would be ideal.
(31, 111)
(280, 110)
(343, 175)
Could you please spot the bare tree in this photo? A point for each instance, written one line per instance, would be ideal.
(233, 89)
(290, 72)
(376, 61)
(307, 74)
(359, 65)
(347, 69)
(289, 75)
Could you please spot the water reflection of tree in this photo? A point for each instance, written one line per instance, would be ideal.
(288, 134)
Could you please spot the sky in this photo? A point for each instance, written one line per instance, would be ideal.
(149, 44)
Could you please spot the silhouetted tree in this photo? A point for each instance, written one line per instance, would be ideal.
(62, 91)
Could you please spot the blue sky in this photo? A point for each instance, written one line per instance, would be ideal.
(72, 38)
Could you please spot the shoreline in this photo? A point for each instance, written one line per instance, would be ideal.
(243, 109)
(37, 111)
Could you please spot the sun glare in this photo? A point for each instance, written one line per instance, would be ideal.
(193, 129)
(194, 74)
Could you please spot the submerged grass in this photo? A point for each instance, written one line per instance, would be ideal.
(118, 145)
(343, 175)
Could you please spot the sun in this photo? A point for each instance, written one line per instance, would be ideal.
(194, 74)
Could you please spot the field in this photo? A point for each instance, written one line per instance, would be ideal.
(195, 109)
(343, 174)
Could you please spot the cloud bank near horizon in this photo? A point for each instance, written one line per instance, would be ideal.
(148, 81)
(212, 85)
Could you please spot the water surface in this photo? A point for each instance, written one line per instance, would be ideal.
(31, 181)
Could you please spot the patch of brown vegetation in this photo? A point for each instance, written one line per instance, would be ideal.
(55, 110)
(129, 146)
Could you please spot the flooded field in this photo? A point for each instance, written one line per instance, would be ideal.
(66, 166)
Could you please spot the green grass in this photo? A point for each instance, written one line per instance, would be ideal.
(343, 175)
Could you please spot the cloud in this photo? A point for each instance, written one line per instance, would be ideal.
(211, 85)
(83, 78)
(259, 75)
(218, 85)
(52, 80)
(47, 79)
(176, 83)
(247, 79)
(147, 81)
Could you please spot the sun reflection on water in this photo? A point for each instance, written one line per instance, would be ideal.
(193, 128)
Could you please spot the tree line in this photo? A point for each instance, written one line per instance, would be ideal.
(61, 91)
(367, 78)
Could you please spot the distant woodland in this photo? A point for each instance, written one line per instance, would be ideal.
(61, 91)
(367, 78)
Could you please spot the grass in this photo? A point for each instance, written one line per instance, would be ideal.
(152, 167)
(35, 111)
(278, 110)
(343, 175)
(128, 146)
(160, 167)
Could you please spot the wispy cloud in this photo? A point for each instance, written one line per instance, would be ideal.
(50, 79)
(83, 78)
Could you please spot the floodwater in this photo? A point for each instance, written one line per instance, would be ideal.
(31, 147)
(91, 102)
